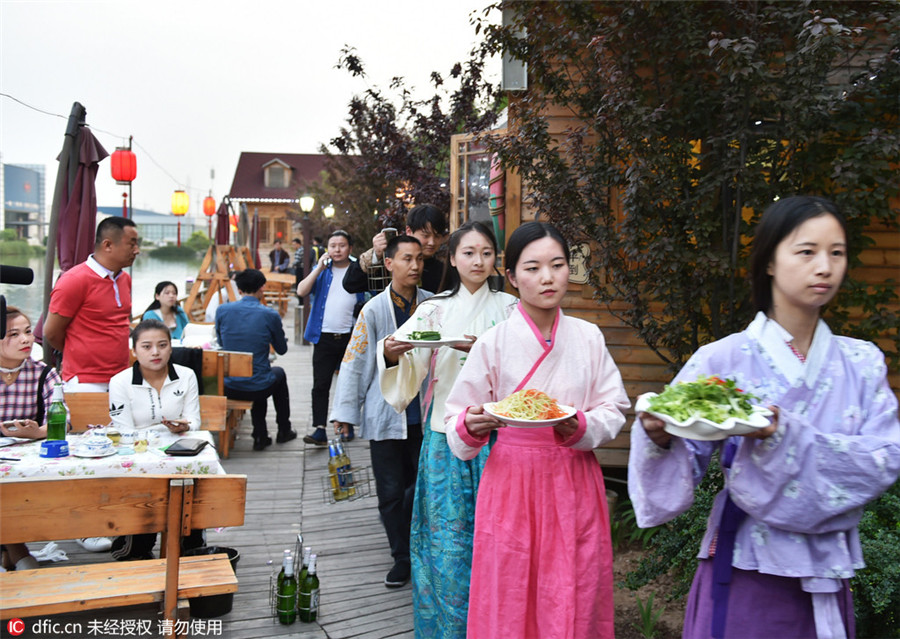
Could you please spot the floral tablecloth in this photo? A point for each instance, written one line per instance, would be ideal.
(152, 462)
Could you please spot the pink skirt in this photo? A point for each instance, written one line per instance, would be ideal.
(542, 562)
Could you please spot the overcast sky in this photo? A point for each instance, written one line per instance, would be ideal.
(197, 82)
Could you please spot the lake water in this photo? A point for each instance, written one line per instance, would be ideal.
(145, 274)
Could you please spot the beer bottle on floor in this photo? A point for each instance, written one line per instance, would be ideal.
(308, 601)
(287, 593)
(304, 567)
(345, 471)
(334, 465)
(280, 579)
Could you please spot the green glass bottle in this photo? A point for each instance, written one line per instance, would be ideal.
(57, 415)
(308, 601)
(286, 604)
(280, 579)
(304, 566)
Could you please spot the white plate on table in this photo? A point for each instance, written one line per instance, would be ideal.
(434, 343)
(529, 423)
(703, 429)
(83, 452)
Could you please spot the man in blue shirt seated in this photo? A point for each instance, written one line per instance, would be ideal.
(249, 325)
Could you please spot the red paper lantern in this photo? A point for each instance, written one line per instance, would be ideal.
(124, 165)
(209, 206)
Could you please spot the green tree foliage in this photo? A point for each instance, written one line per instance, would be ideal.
(686, 120)
(198, 241)
(876, 588)
(395, 142)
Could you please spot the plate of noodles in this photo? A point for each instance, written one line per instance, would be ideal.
(529, 408)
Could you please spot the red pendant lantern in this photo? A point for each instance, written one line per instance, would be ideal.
(209, 209)
(209, 206)
(124, 165)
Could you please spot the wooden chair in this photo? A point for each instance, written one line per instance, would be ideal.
(38, 509)
(224, 364)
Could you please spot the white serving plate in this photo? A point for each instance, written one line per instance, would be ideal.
(703, 429)
(84, 452)
(434, 343)
(529, 423)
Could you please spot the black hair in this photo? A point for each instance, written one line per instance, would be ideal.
(342, 233)
(297, 240)
(422, 215)
(12, 312)
(391, 249)
(249, 280)
(779, 221)
(451, 279)
(159, 289)
(149, 325)
(525, 235)
(112, 228)
(317, 239)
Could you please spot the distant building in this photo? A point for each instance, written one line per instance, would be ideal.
(156, 229)
(22, 189)
(272, 183)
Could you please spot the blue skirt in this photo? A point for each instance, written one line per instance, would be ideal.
(443, 525)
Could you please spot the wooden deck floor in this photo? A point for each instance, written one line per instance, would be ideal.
(284, 497)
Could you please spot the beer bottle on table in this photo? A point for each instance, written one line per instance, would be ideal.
(57, 415)
(334, 464)
(345, 470)
(308, 601)
(286, 604)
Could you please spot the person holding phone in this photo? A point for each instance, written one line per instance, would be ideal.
(153, 391)
(329, 326)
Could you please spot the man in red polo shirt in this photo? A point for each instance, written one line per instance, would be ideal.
(90, 309)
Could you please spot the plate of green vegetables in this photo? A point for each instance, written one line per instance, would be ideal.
(708, 409)
(431, 339)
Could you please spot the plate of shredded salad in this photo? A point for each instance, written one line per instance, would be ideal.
(709, 409)
(529, 408)
(431, 339)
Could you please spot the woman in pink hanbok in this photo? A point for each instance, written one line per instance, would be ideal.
(542, 562)
(781, 543)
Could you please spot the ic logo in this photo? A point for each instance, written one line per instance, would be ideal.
(15, 627)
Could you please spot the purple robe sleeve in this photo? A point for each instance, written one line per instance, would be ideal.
(812, 477)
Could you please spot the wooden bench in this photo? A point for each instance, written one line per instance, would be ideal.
(38, 509)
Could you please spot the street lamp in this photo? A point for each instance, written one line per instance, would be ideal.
(180, 203)
(328, 211)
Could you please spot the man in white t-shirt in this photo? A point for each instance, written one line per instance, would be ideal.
(329, 325)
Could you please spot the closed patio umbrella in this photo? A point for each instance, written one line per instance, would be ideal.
(222, 223)
(254, 238)
(243, 232)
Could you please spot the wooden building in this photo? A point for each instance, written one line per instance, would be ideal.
(272, 183)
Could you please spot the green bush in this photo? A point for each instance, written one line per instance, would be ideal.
(170, 252)
(198, 241)
(8, 235)
(18, 247)
(876, 588)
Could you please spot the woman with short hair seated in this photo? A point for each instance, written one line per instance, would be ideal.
(153, 391)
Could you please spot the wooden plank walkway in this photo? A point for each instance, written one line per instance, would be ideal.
(284, 497)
